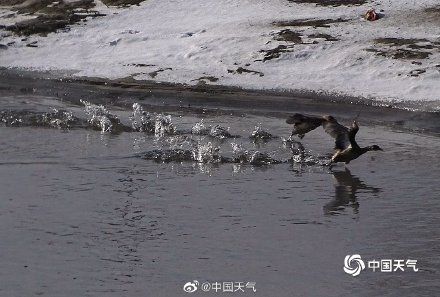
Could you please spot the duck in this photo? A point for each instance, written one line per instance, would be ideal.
(346, 148)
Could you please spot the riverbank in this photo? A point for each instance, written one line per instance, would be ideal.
(275, 45)
(168, 96)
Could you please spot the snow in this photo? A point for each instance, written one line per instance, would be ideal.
(199, 38)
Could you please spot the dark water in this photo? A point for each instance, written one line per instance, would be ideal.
(87, 213)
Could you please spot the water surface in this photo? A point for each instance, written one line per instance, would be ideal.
(83, 213)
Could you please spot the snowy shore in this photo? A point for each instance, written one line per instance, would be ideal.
(265, 45)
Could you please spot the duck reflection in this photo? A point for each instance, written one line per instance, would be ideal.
(346, 188)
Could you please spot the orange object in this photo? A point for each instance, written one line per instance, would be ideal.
(371, 15)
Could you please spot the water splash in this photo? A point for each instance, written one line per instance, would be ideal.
(101, 119)
(300, 155)
(256, 158)
(220, 132)
(259, 159)
(200, 128)
(12, 119)
(163, 126)
(55, 118)
(216, 131)
(207, 153)
(142, 121)
(59, 119)
(237, 148)
(99, 116)
(159, 124)
(260, 135)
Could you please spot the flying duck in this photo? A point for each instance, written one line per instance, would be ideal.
(346, 147)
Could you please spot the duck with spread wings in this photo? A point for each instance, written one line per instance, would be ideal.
(346, 147)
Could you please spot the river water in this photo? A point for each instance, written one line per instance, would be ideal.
(91, 206)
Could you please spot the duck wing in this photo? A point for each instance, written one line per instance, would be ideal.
(303, 124)
(352, 135)
(339, 132)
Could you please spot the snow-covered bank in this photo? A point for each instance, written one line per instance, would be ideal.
(226, 41)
